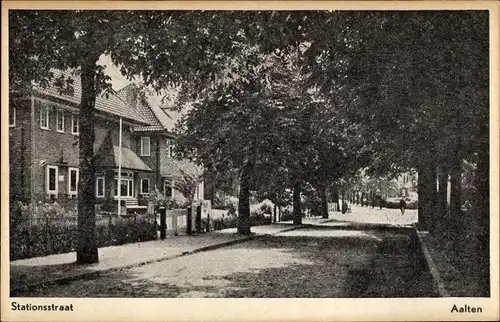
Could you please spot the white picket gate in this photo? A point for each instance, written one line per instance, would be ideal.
(176, 221)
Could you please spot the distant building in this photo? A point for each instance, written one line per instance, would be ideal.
(407, 183)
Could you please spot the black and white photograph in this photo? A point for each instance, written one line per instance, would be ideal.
(250, 153)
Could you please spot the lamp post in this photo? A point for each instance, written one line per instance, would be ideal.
(120, 168)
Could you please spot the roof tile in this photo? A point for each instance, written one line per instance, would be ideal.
(112, 104)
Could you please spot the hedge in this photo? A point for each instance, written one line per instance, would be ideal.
(46, 230)
(256, 219)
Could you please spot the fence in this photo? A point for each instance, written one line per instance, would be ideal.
(41, 236)
(218, 213)
(175, 221)
(332, 206)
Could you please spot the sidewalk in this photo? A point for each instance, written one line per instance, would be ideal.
(61, 268)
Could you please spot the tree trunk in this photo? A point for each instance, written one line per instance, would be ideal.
(455, 212)
(336, 198)
(275, 213)
(482, 247)
(426, 187)
(87, 252)
(297, 213)
(344, 204)
(324, 203)
(244, 202)
(442, 200)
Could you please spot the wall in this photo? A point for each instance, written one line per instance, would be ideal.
(155, 147)
(20, 151)
(62, 149)
(158, 151)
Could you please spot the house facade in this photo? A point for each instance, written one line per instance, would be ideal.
(44, 147)
(158, 137)
(407, 183)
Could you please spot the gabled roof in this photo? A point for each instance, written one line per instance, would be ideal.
(149, 107)
(132, 96)
(111, 105)
(172, 168)
(108, 156)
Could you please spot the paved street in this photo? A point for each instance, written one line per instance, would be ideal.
(313, 261)
(369, 215)
(42, 270)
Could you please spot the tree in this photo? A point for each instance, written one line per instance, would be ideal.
(415, 95)
(65, 40)
(189, 181)
(246, 122)
(147, 44)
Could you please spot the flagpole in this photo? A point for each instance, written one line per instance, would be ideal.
(120, 168)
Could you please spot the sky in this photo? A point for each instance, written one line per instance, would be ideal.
(117, 80)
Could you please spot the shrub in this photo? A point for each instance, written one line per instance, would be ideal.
(256, 219)
(259, 219)
(266, 209)
(159, 200)
(43, 229)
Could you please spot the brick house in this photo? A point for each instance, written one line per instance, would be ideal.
(44, 146)
(158, 137)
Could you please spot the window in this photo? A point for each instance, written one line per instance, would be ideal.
(145, 146)
(145, 186)
(60, 121)
(170, 148)
(75, 124)
(44, 118)
(12, 117)
(168, 188)
(127, 184)
(51, 180)
(72, 181)
(99, 190)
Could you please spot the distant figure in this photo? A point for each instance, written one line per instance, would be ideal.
(402, 205)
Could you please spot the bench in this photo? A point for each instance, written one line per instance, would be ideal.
(132, 205)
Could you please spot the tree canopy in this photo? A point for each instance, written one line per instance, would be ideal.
(283, 98)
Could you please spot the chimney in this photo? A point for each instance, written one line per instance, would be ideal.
(132, 96)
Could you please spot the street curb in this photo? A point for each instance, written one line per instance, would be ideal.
(233, 242)
(216, 246)
(94, 274)
(431, 266)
